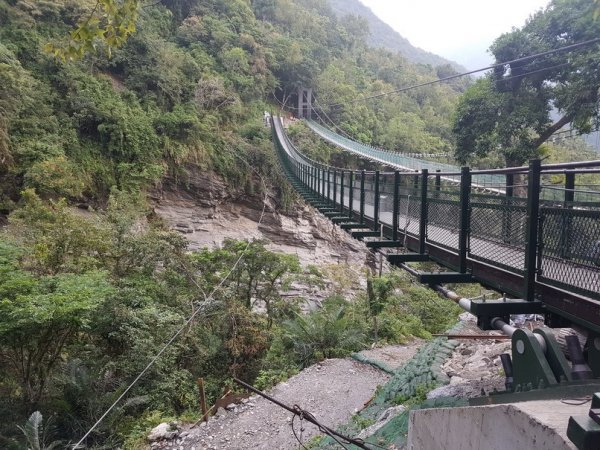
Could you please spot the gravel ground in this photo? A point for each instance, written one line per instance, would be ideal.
(333, 391)
(393, 356)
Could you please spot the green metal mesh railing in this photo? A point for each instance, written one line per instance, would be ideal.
(498, 232)
(570, 248)
(443, 215)
(402, 162)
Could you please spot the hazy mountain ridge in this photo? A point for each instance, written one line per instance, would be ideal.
(384, 36)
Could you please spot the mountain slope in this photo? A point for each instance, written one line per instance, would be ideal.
(384, 36)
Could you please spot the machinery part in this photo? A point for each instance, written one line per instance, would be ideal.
(579, 370)
(584, 431)
(554, 355)
(592, 348)
(531, 368)
(508, 371)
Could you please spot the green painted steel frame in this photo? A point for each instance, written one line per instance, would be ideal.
(460, 259)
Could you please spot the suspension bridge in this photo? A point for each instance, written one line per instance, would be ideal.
(543, 254)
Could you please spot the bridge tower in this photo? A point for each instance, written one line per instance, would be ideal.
(304, 103)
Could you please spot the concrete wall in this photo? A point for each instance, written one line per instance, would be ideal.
(539, 425)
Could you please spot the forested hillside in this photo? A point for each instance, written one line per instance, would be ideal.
(192, 71)
(92, 284)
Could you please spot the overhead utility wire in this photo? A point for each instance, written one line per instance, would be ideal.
(459, 75)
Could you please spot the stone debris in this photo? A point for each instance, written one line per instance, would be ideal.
(163, 431)
(382, 421)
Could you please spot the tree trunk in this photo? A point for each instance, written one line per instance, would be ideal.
(552, 129)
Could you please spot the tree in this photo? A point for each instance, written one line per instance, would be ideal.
(39, 318)
(108, 25)
(378, 291)
(509, 111)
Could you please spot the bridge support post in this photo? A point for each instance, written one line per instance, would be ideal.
(303, 174)
(533, 214)
(323, 184)
(567, 223)
(334, 188)
(351, 195)
(465, 219)
(506, 225)
(376, 203)
(329, 186)
(396, 207)
(318, 180)
(342, 176)
(423, 219)
(362, 197)
(306, 176)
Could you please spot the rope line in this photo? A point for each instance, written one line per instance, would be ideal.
(200, 308)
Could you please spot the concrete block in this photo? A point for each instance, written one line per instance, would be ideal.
(536, 425)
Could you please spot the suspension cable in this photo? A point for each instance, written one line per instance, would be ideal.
(196, 311)
(566, 48)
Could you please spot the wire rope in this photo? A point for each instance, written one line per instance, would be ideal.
(187, 322)
(463, 74)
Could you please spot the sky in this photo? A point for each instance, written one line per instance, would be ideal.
(460, 30)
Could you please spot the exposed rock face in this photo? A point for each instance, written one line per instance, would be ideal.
(206, 212)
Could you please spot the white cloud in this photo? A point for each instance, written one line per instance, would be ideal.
(461, 30)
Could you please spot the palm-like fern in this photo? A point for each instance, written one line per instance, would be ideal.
(35, 434)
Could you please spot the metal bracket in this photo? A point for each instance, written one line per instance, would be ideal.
(486, 310)
(407, 257)
(584, 431)
(351, 226)
(531, 369)
(364, 234)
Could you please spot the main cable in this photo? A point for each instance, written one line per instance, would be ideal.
(188, 322)
(471, 72)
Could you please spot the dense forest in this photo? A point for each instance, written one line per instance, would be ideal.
(93, 283)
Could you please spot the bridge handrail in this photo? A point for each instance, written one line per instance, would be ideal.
(558, 168)
(339, 140)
